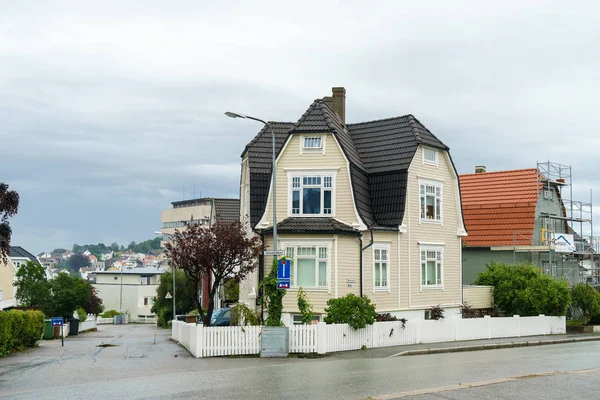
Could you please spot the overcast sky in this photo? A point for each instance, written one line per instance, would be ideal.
(108, 109)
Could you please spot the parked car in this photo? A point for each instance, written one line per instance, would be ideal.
(221, 317)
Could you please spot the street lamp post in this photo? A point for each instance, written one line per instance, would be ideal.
(238, 115)
(172, 273)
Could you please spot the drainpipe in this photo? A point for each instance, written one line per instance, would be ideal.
(261, 276)
(361, 259)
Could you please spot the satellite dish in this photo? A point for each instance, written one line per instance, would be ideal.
(168, 296)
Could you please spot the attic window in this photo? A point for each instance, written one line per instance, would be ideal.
(430, 156)
(313, 143)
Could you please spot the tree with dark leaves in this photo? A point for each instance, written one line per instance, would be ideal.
(222, 250)
(78, 261)
(9, 205)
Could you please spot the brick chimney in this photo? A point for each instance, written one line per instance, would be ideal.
(339, 102)
(479, 169)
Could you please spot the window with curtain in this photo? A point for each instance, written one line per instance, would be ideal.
(308, 267)
(431, 266)
(431, 202)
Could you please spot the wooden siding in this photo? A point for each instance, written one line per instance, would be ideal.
(446, 233)
(346, 262)
(333, 159)
(478, 296)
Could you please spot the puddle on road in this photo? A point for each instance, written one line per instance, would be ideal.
(107, 345)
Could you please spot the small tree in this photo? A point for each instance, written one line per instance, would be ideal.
(95, 305)
(272, 296)
(305, 307)
(222, 252)
(355, 311)
(184, 296)
(32, 286)
(67, 295)
(9, 205)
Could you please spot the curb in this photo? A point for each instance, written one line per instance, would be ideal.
(492, 346)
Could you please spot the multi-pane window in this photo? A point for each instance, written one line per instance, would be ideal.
(312, 143)
(430, 156)
(431, 266)
(312, 195)
(381, 265)
(308, 265)
(431, 201)
(179, 224)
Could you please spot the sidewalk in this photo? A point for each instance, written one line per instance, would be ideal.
(469, 345)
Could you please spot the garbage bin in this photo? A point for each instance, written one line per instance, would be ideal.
(73, 327)
(118, 319)
(191, 319)
(48, 329)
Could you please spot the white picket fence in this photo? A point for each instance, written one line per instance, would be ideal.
(323, 338)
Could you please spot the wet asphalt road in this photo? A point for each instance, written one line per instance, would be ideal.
(137, 368)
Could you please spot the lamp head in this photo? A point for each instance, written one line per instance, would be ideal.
(231, 114)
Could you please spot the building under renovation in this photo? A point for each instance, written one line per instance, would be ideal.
(528, 216)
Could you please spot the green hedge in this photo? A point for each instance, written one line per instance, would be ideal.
(19, 330)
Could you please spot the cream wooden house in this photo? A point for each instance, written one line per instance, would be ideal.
(370, 208)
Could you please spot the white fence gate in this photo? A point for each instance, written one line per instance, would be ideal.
(323, 338)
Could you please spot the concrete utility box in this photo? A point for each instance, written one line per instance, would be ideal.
(274, 341)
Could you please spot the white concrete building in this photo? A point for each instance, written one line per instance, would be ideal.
(138, 286)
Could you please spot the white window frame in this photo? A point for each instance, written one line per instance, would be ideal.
(313, 150)
(548, 195)
(437, 185)
(439, 259)
(299, 175)
(432, 151)
(294, 265)
(387, 248)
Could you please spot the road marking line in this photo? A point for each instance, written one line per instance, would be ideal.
(479, 384)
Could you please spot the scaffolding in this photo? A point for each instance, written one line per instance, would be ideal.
(575, 214)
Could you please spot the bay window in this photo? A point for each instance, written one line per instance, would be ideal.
(311, 194)
(430, 194)
(432, 266)
(308, 265)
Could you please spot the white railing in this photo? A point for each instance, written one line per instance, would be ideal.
(323, 338)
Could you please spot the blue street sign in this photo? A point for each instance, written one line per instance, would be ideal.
(283, 284)
(57, 321)
(283, 269)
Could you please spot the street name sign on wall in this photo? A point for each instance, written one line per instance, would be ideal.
(283, 274)
(273, 252)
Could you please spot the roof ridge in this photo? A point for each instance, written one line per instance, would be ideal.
(499, 172)
(378, 120)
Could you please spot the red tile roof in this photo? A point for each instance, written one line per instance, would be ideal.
(499, 207)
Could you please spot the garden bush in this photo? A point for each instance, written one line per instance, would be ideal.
(81, 314)
(19, 330)
(355, 311)
(525, 291)
(109, 314)
(587, 299)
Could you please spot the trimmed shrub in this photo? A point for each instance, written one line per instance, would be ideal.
(19, 329)
(587, 299)
(525, 291)
(81, 314)
(109, 314)
(355, 311)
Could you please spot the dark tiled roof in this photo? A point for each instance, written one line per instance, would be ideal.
(312, 225)
(379, 153)
(18, 251)
(227, 210)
